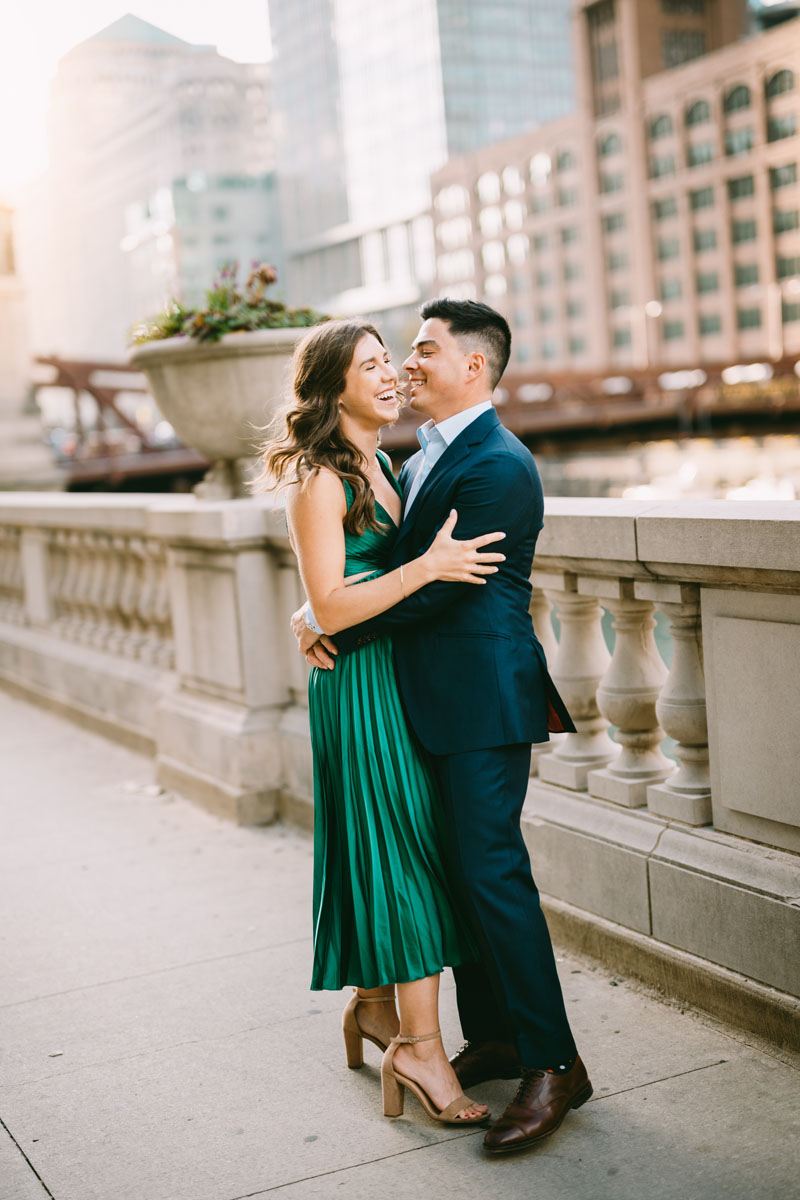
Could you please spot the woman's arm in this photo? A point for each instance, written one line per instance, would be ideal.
(316, 510)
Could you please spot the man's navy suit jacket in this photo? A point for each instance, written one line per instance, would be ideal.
(471, 671)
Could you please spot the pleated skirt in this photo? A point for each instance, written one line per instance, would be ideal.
(383, 910)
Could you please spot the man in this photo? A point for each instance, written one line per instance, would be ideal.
(474, 681)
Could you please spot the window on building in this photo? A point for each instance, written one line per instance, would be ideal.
(488, 188)
(495, 285)
(704, 239)
(620, 298)
(540, 204)
(610, 144)
(698, 113)
(549, 349)
(515, 214)
(748, 318)
(565, 160)
(567, 197)
(513, 182)
(493, 255)
(543, 278)
(666, 207)
(662, 165)
(782, 81)
(660, 126)
(782, 222)
(787, 265)
(682, 46)
(612, 222)
(611, 181)
(745, 273)
(517, 248)
(570, 234)
(668, 248)
(539, 168)
(220, 212)
(790, 312)
(745, 185)
(622, 337)
(672, 330)
(709, 323)
(701, 198)
(522, 352)
(574, 308)
(743, 231)
(738, 141)
(572, 270)
(781, 176)
(737, 98)
(781, 127)
(546, 314)
(706, 281)
(693, 7)
(541, 241)
(491, 221)
(577, 345)
(701, 152)
(617, 261)
(670, 289)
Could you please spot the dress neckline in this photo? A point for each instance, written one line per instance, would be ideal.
(388, 474)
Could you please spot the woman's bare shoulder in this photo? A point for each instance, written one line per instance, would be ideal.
(317, 491)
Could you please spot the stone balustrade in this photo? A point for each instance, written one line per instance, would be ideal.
(665, 830)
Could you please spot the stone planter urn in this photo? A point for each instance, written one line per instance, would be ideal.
(218, 396)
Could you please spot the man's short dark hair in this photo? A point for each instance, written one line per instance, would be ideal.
(479, 323)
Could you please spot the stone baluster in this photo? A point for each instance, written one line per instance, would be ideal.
(130, 591)
(111, 594)
(72, 550)
(165, 650)
(577, 668)
(146, 607)
(11, 577)
(540, 610)
(681, 707)
(627, 698)
(99, 544)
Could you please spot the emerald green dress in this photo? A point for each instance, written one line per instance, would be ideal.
(383, 912)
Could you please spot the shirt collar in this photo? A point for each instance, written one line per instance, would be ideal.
(449, 429)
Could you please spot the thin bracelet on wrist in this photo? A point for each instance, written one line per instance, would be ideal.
(402, 581)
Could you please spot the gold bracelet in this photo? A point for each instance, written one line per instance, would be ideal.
(402, 582)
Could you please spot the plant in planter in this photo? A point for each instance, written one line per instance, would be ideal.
(218, 372)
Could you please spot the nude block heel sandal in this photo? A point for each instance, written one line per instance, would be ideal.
(353, 1033)
(393, 1083)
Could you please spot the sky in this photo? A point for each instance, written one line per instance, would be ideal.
(34, 34)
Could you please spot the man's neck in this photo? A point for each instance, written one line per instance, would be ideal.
(454, 412)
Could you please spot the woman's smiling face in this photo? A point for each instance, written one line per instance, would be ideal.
(370, 395)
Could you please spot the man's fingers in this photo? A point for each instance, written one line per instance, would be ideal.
(487, 538)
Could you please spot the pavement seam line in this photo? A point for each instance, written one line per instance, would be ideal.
(198, 962)
(356, 1166)
(661, 1079)
(27, 1160)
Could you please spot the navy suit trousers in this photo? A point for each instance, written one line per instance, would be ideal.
(514, 994)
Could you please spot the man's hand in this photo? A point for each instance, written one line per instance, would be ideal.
(311, 645)
(317, 656)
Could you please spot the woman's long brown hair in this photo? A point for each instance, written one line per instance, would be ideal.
(308, 435)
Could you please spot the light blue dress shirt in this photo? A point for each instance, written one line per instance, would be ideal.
(434, 440)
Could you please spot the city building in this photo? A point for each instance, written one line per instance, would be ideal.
(369, 99)
(161, 169)
(658, 224)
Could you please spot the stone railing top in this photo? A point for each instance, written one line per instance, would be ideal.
(664, 537)
(681, 538)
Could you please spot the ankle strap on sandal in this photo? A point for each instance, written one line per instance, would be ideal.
(374, 999)
(411, 1038)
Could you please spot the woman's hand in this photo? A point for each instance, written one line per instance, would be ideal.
(461, 562)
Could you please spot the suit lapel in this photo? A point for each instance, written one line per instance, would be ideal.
(455, 453)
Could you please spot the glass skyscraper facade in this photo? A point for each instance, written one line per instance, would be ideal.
(370, 99)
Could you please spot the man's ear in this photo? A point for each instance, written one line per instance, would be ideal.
(476, 365)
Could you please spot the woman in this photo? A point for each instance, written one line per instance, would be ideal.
(383, 912)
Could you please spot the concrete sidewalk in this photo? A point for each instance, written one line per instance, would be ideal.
(159, 1041)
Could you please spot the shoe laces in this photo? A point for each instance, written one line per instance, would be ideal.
(530, 1076)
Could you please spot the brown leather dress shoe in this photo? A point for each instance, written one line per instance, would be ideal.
(540, 1105)
(478, 1061)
